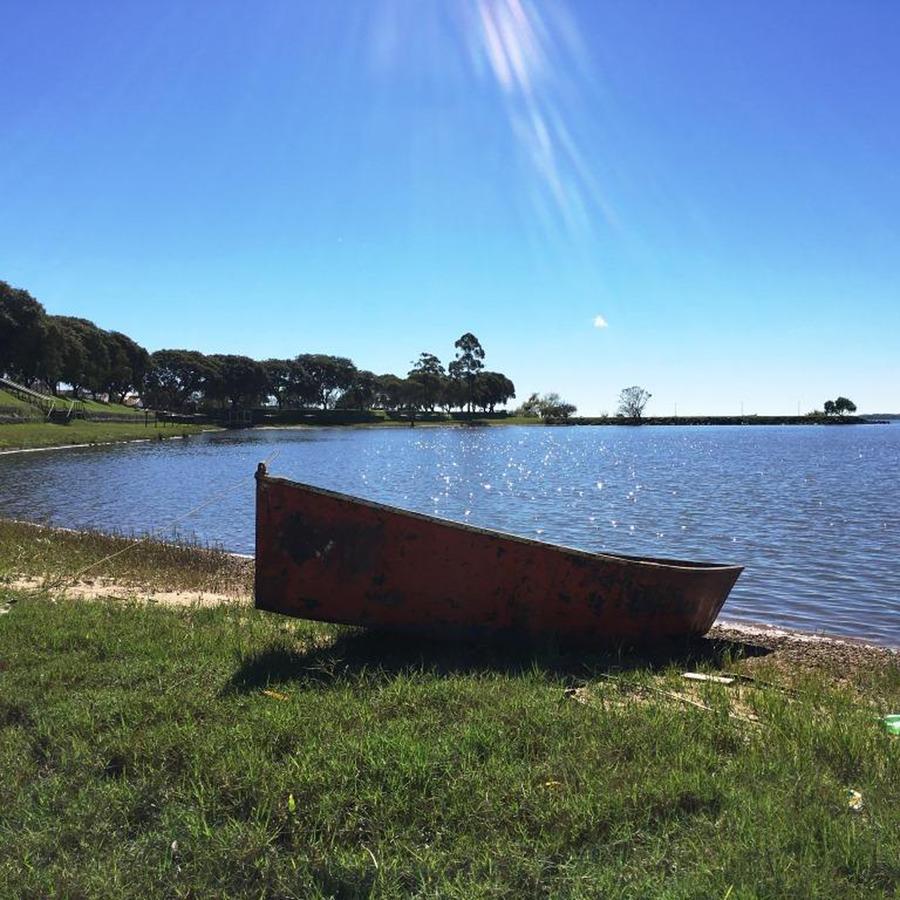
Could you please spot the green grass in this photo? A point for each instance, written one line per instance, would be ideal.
(119, 409)
(37, 552)
(142, 757)
(7, 399)
(90, 406)
(25, 435)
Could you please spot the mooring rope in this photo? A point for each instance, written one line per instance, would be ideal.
(64, 581)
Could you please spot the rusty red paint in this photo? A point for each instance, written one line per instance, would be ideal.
(336, 558)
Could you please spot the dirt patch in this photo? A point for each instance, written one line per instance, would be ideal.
(106, 589)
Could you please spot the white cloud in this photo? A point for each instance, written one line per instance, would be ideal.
(600, 322)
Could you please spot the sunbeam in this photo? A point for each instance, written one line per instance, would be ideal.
(536, 61)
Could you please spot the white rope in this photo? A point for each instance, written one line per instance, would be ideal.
(63, 581)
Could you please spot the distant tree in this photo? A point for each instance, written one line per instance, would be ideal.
(398, 395)
(239, 381)
(423, 388)
(57, 346)
(492, 389)
(843, 405)
(429, 363)
(839, 407)
(326, 377)
(468, 363)
(177, 379)
(632, 401)
(290, 383)
(531, 408)
(128, 363)
(410, 397)
(66, 355)
(280, 377)
(304, 385)
(427, 375)
(552, 406)
(361, 394)
(90, 365)
(388, 392)
(22, 321)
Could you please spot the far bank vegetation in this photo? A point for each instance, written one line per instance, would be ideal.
(64, 354)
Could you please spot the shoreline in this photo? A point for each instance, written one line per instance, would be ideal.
(174, 437)
(684, 421)
(770, 634)
(154, 440)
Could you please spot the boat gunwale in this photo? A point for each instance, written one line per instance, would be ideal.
(619, 558)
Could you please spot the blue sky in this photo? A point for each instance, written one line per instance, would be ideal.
(719, 182)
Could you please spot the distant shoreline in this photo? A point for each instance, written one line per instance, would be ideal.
(61, 437)
(720, 420)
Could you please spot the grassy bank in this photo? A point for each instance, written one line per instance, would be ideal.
(95, 407)
(186, 751)
(10, 401)
(91, 407)
(27, 435)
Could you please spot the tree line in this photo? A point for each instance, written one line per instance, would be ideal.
(48, 352)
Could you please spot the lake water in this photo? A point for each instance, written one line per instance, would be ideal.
(812, 512)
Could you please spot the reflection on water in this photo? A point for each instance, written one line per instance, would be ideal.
(813, 512)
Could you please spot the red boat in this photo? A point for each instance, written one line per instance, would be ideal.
(336, 558)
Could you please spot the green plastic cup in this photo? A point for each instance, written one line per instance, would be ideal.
(892, 724)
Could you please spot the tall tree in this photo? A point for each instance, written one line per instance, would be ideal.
(632, 401)
(128, 365)
(281, 376)
(22, 320)
(176, 379)
(493, 389)
(410, 397)
(58, 348)
(238, 380)
(454, 393)
(388, 392)
(328, 376)
(361, 394)
(427, 376)
(90, 367)
(468, 363)
(70, 364)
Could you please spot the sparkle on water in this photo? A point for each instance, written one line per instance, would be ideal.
(814, 512)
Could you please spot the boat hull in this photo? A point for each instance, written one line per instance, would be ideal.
(335, 558)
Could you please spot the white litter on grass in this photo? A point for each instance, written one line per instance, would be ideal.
(700, 676)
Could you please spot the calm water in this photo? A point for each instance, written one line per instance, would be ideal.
(813, 512)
